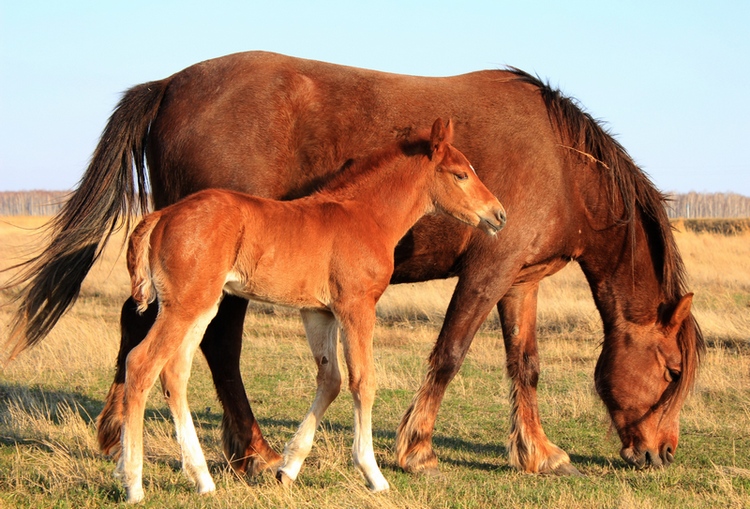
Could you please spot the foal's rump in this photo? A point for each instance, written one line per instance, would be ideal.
(170, 249)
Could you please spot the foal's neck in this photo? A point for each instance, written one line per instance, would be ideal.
(394, 194)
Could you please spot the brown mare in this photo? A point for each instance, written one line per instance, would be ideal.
(276, 126)
(329, 254)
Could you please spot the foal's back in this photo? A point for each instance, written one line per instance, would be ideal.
(286, 253)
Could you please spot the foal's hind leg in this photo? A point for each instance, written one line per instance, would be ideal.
(174, 379)
(143, 364)
(322, 335)
(529, 448)
(243, 440)
(133, 328)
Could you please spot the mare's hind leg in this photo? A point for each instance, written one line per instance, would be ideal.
(529, 448)
(322, 335)
(242, 438)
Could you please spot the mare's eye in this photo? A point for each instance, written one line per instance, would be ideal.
(461, 176)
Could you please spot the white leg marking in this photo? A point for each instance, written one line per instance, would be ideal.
(322, 336)
(193, 461)
(363, 454)
(129, 469)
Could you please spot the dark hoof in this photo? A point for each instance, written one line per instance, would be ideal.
(566, 469)
(432, 474)
(284, 479)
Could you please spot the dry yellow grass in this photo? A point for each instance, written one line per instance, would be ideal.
(49, 396)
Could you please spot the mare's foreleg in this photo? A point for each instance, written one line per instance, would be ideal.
(472, 301)
(242, 438)
(529, 449)
(322, 335)
(357, 325)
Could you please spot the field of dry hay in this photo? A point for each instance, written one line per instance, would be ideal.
(50, 396)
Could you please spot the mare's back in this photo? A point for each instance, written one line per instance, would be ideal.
(276, 126)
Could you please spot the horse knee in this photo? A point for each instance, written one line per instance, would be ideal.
(362, 388)
(329, 377)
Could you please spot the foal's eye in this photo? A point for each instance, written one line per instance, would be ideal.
(461, 176)
(672, 375)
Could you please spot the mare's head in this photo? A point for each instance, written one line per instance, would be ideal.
(456, 189)
(652, 344)
(643, 375)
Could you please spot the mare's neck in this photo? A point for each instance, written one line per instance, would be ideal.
(625, 283)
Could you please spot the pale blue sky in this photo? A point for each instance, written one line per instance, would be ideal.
(670, 78)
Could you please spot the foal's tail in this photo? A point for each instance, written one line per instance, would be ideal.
(110, 194)
(139, 267)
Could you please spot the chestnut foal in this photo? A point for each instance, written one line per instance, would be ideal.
(329, 254)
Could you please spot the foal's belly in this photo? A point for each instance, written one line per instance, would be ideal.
(283, 290)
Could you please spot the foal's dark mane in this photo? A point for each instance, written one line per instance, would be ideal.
(350, 175)
(583, 136)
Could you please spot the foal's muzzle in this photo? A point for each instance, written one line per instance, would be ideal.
(493, 222)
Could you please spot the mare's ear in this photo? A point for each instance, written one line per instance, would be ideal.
(680, 314)
(440, 136)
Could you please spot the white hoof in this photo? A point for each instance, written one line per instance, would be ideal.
(378, 485)
(134, 495)
(205, 484)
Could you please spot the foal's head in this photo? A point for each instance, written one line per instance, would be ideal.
(456, 189)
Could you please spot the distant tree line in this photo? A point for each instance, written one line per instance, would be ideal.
(31, 203)
(689, 206)
(708, 205)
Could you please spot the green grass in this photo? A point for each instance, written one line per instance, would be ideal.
(48, 455)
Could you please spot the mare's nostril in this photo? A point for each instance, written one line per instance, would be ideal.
(668, 455)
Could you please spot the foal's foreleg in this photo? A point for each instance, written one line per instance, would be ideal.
(322, 335)
(357, 328)
(529, 449)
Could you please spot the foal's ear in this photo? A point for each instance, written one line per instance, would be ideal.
(680, 313)
(441, 135)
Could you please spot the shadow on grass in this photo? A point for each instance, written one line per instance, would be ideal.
(453, 451)
(44, 403)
